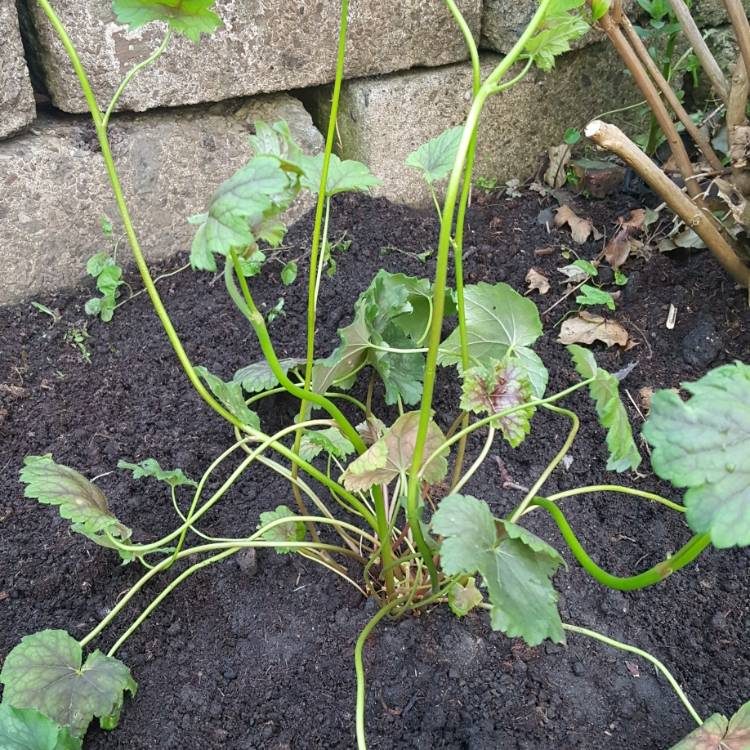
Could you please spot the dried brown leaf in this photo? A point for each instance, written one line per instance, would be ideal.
(537, 281)
(635, 222)
(618, 248)
(580, 229)
(586, 328)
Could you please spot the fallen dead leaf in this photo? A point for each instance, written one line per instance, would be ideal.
(537, 281)
(633, 668)
(580, 229)
(586, 328)
(556, 173)
(635, 222)
(618, 249)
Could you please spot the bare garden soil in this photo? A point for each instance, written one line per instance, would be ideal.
(257, 652)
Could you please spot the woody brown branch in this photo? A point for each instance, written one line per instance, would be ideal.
(701, 222)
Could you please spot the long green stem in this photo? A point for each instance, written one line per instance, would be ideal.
(576, 423)
(684, 556)
(359, 669)
(617, 488)
(256, 320)
(137, 68)
(471, 45)
(148, 282)
(252, 541)
(226, 552)
(644, 655)
(322, 194)
(249, 309)
(441, 271)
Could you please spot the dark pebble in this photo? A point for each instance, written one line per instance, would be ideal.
(702, 344)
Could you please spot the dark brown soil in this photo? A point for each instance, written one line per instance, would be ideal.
(242, 658)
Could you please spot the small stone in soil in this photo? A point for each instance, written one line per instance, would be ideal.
(702, 344)
(247, 561)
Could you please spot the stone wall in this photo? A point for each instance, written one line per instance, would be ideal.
(407, 79)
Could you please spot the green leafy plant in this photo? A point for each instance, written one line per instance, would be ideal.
(404, 533)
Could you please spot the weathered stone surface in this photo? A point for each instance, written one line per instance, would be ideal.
(55, 189)
(381, 120)
(17, 109)
(270, 46)
(503, 21)
(712, 12)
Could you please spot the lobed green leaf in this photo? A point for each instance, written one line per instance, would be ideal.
(150, 467)
(243, 210)
(294, 531)
(78, 500)
(345, 176)
(702, 444)
(329, 440)
(28, 729)
(392, 455)
(435, 158)
(516, 566)
(394, 311)
(605, 390)
(259, 377)
(230, 394)
(555, 34)
(46, 672)
(499, 322)
(190, 18)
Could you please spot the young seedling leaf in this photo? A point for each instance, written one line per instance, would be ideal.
(462, 598)
(230, 394)
(559, 28)
(259, 377)
(492, 388)
(702, 444)
(277, 140)
(289, 273)
(345, 176)
(499, 322)
(591, 295)
(393, 312)
(294, 531)
(393, 453)
(435, 158)
(329, 440)
(605, 390)
(46, 672)
(240, 209)
(517, 567)
(190, 18)
(252, 266)
(28, 729)
(149, 467)
(78, 500)
(716, 733)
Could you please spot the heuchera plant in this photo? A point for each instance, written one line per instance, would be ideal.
(395, 524)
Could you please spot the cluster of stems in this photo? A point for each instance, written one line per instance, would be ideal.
(399, 567)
